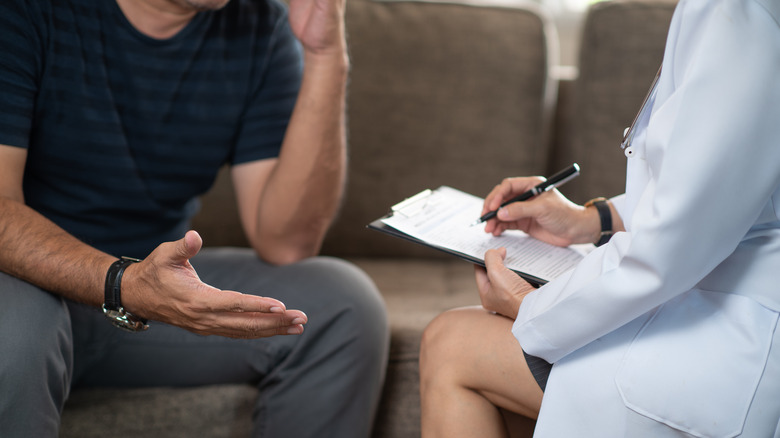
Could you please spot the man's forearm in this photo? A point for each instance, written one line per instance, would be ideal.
(163, 287)
(304, 191)
(36, 250)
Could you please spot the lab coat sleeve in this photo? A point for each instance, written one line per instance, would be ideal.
(713, 150)
(619, 202)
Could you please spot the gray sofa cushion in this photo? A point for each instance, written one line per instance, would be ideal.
(212, 411)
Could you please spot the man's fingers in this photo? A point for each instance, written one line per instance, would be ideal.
(241, 330)
(180, 251)
(236, 302)
(242, 306)
(246, 316)
(260, 325)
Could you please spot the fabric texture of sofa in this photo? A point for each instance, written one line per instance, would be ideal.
(440, 94)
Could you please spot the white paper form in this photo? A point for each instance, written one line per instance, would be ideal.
(443, 217)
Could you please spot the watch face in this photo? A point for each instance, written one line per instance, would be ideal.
(124, 320)
(136, 326)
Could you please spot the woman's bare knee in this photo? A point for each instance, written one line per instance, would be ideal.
(442, 338)
(474, 349)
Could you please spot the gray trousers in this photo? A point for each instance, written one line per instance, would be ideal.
(325, 382)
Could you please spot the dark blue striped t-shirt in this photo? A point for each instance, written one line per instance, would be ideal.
(123, 131)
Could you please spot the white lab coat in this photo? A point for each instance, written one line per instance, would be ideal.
(668, 329)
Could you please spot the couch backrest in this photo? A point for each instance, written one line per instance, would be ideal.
(440, 94)
(621, 49)
(451, 94)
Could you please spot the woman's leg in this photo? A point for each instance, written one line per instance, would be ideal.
(470, 366)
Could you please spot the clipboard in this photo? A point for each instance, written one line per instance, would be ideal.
(429, 209)
(380, 226)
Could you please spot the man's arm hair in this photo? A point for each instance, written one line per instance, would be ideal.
(38, 251)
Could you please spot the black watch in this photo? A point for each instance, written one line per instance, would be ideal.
(605, 216)
(112, 307)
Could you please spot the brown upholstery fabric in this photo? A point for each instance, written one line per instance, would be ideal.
(440, 94)
(622, 47)
(209, 411)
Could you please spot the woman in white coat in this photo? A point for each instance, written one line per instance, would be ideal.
(670, 328)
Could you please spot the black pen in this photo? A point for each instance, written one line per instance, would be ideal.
(552, 182)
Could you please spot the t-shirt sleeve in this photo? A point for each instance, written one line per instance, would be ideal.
(268, 113)
(20, 61)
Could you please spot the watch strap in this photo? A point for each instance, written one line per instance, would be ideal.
(113, 299)
(112, 306)
(605, 216)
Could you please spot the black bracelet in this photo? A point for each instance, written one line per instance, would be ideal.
(112, 307)
(114, 282)
(605, 216)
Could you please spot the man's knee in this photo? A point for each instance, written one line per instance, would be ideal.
(342, 284)
(350, 296)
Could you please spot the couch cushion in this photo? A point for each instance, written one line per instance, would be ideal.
(212, 411)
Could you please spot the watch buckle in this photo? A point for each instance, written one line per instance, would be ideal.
(125, 320)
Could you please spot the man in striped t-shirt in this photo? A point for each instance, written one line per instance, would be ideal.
(115, 115)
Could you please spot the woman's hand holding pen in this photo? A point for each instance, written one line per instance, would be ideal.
(549, 217)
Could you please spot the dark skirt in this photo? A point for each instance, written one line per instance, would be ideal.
(540, 369)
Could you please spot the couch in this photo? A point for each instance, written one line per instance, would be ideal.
(440, 94)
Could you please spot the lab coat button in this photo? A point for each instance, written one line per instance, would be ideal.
(629, 151)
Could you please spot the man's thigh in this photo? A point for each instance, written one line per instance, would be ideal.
(35, 359)
(167, 355)
(34, 327)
